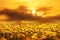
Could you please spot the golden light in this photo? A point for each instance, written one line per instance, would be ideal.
(33, 12)
(4, 17)
(40, 13)
(44, 16)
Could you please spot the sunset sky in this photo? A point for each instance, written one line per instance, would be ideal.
(33, 5)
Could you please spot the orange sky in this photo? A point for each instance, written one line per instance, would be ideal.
(33, 4)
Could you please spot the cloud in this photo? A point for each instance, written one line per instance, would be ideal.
(17, 14)
(21, 15)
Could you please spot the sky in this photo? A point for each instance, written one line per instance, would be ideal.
(33, 5)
